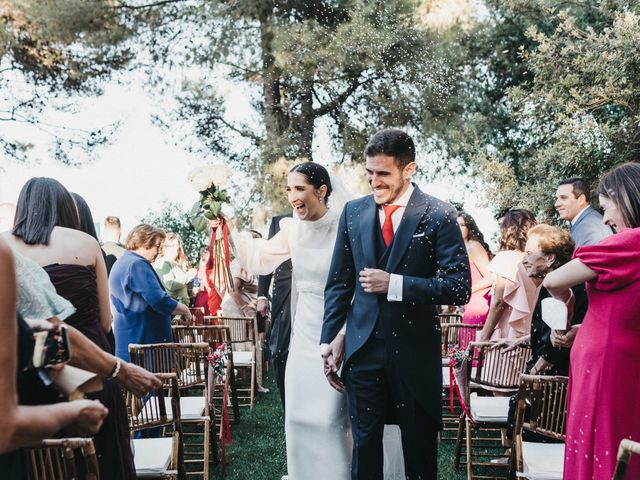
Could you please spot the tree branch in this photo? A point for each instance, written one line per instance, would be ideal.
(159, 3)
(241, 131)
(340, 99)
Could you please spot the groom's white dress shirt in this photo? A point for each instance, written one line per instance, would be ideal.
(394, 294)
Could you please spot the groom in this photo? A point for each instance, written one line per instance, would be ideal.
(398, 254)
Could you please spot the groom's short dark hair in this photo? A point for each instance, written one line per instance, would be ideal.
(392, 142)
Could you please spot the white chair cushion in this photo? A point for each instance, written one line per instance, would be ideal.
(242, 359)
(191, 408)
(152, 456)
(543, 461)
(489, 409)
(446, 380)
(189, 375)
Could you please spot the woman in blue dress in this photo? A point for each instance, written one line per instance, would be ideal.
(142, 308)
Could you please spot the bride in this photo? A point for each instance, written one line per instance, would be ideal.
(318, 434)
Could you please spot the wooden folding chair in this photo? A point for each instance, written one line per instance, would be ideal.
(188, 362)
(161, 457)
(449, 318)
(626, 449)
(56, 459)
(214, 335)
(453, 335)
(243, 343)
(498, 372)
(547, 396)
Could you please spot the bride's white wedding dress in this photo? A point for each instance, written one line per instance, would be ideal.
(318, 433)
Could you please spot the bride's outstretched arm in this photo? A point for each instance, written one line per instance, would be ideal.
(259, 256)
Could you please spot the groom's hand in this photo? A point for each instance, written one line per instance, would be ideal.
(374, 280)
(331, 359)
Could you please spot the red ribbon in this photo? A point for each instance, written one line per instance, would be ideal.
(454, 385)
(213, 279)
(226, 427)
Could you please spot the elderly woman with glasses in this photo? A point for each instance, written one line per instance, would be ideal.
(142, 307)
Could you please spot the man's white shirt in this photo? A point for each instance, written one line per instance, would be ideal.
(394, 294)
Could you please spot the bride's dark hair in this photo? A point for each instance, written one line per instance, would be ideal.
(315, 174)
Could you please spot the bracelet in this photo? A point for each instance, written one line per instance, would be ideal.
(116, 369)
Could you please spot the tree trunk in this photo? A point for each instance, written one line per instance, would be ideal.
(305, 122)
(275, 118)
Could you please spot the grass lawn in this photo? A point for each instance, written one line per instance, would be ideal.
(258, 449)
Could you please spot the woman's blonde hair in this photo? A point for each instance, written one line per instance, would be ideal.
(181, 258)
(144, 236)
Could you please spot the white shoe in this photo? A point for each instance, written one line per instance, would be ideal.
(284, 477)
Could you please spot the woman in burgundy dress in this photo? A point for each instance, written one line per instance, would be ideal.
(475, 312)
(46, 219)
(604, 378)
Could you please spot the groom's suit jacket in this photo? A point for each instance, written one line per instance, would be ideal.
(429, 252)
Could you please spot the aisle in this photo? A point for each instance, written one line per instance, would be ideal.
(258, 451)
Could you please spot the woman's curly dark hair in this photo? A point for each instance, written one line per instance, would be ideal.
(514, 227)
(473, 232)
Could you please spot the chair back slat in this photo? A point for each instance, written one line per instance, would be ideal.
(495, 367)
(186, 360)
(211, 334)
(55, 459)
(457, 335)
(449, 318)
(242, 328)
(548, 397)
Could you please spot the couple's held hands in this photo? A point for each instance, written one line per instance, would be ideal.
(564, 339)
(374, 280)
(332, 359)
(263, 306)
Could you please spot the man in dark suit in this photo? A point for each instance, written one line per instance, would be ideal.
(398, 254)
(573, 205)
(280, 330)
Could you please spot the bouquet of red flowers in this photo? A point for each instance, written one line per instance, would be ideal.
(218, 359)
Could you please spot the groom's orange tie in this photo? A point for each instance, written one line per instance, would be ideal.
(387, 227)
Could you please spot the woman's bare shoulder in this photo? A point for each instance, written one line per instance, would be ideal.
(71, 235)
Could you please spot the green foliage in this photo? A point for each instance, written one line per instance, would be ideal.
(173, 217)
(51, 51)
(351, 66)
(546, 91)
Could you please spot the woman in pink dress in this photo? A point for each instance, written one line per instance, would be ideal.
(513, 294)
(604, 378)
(475, 312)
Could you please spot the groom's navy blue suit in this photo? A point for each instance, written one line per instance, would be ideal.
(392, 349)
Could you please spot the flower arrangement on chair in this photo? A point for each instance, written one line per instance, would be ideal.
(458, 376)
(218, 362)
(207, 212)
